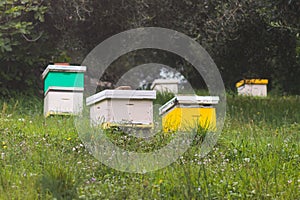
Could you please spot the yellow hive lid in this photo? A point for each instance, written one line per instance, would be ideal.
(252, 81)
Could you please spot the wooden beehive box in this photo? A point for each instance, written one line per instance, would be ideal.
(133, 108)
(252, 87)
(63, 89)
(184, 113)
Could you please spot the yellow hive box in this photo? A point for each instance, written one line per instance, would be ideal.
(185, 113)
(252, 87)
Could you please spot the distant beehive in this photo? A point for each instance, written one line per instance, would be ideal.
(183, 113)
(63, 89)
(133, 108)
(165, 85)
(252, 87)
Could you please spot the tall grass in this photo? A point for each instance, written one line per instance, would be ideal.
(256, 157)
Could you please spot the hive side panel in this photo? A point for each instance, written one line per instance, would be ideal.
(171, 120)
(207, 118)
(245, 90)
(140, 111)
(259, 90)
(99, 112)
(119, 111)
(190, 118)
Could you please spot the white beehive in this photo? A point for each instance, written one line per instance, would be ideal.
(252, 87)
(63, 89)
(122, 108)
(165, 85)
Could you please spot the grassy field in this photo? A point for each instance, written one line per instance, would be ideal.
(256, 157)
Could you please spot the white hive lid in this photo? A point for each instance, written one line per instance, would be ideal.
(191, 100)
(164, 81)
(63, 68)
(120, 94)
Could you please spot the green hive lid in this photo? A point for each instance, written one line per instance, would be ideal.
(192, 100)
(63, 68)
(120, 94)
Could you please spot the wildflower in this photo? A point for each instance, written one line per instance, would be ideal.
(160, 181)
(21, 119)
(247, 159)
(235, 151)
(4, 147)
(69, 138)
(290, 181)
(2, 156)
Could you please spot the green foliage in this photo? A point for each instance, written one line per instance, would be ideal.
(163, 97)
(20, 53)
(16, 19)
(246, 39)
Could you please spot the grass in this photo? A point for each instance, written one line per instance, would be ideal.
(256, 157)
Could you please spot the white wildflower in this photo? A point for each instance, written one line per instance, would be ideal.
(21, 119)
(235, 151)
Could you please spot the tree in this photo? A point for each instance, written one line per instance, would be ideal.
(245, 38)
(19, 34)
(19, 18)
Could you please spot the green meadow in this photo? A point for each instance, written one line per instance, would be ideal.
(257, 156)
